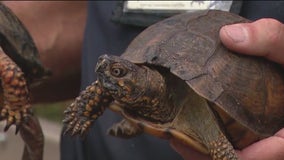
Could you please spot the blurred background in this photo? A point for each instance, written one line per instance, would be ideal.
(50, 117)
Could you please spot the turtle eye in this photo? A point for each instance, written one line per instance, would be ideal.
(118, 70)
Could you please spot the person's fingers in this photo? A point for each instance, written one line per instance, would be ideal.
(266, 149)
(264, 37)
(186, 152)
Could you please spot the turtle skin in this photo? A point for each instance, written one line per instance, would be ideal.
(20, 68)
(177, 80)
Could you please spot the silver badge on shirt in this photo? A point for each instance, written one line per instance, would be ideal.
(174, 6)
(145, 13)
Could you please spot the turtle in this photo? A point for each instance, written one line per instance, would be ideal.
(176, 80)
(20, 69)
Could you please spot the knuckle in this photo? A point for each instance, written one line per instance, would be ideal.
(273, 30)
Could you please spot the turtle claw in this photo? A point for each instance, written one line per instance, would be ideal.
(11, 122)
(69, 122)
(67, 119)
(83, 133)
(74, 126)
(76, 129)
(87, 107)
(77, 124)
(16, 118)
(68, 110)
(67, 130)
(70, 115)
(74, 132)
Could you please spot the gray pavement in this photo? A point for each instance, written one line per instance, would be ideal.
(11, 145)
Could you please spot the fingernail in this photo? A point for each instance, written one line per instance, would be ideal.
(236, 32)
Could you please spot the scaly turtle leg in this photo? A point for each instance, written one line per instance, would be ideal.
(203, 122)
(125, 129)
(86, 108)
(17, 108)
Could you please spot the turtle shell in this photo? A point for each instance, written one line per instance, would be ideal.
(17, 43)
(249, 89)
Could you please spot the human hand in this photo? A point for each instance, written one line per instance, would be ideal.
(266, 149)
(264, 37)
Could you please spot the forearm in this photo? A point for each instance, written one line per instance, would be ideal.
(57, 29)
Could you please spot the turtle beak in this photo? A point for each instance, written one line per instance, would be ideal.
(103, 63)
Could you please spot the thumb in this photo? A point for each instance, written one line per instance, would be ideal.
(264, 37)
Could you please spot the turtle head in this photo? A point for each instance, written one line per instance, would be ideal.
(139, 88)
(127, 82)
(120, 77)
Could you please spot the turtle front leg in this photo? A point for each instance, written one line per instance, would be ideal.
(86, 108)
(17, 108)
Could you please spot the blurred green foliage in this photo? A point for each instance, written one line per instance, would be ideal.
(51, 111)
